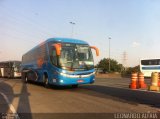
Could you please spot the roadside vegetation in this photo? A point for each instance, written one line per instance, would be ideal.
(103, 67)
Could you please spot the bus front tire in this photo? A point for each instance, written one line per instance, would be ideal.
(45, 81)
(75, 86)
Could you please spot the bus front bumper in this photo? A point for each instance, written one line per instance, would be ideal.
(74, 79)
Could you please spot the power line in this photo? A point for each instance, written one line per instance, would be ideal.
(24, 20)
(11, 23)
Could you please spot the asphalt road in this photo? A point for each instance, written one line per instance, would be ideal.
(105, 96)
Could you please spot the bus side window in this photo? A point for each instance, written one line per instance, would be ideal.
(53, 57)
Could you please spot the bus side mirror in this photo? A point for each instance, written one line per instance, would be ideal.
(96, 49)
(58, 48)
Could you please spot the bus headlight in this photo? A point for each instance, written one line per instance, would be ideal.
(63, 74)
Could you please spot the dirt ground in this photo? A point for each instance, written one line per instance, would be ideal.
(109, 75)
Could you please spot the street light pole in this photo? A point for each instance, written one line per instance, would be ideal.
(109, 66)
(72, 23)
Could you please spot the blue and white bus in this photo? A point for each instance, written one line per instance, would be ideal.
(147, 66)
(60, 61)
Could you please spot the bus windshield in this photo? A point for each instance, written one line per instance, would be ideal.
(151, 62)
(147, 66)
(76, 57)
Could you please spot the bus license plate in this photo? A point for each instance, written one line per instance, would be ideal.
(80, 81)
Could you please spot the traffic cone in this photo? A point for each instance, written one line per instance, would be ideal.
(141, 83)
(154, 82)
(159, 80)
(133, 84)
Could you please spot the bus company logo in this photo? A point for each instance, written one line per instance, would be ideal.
(40, 62)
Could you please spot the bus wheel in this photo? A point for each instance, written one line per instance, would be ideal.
(75, 86)
(45, 81)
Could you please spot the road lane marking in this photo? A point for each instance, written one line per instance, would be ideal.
(10, 105)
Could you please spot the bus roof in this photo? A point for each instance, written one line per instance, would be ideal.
(67, 40)
(149, 58)
(60, 40)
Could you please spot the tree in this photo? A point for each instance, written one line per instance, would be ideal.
(129, 70)
(114, 65)
(136, 69)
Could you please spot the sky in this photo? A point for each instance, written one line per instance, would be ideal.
(133, 26)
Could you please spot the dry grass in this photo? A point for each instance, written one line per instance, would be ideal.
(109, 75)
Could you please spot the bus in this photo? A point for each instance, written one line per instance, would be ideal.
(147, 66)
(10, 69)
(60, 61)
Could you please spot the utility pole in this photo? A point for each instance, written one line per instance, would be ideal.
(109, 66)
(72, 23)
